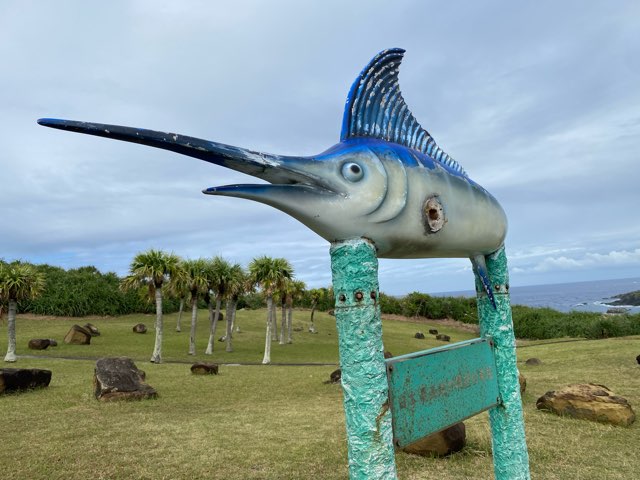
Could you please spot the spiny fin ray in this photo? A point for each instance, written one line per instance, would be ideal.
(375, 108)
(480, 267)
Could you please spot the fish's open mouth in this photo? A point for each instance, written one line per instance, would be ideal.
(253, 189)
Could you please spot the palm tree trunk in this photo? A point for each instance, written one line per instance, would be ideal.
(194, 320)
(274, 321)
(214, 324)
(313, 310)
(11, 348)
(289, 322)
(178, 328)
(283, 323)
(156, 357)
(230, 309)
(267, 342)
(233, 314)
(312, 328)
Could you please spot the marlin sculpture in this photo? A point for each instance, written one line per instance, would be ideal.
(387, 179)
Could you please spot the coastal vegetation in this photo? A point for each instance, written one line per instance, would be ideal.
(86, 291)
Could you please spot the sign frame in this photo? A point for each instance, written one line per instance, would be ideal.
(433, 389)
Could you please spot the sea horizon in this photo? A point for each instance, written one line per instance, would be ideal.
(586, 296)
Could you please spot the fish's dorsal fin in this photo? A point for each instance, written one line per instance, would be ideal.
(375, 108)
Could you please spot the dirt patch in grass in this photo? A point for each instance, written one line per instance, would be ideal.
(445, 322)
(89, 318)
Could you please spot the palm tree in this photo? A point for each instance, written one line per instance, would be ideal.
(246, 287)
(270, 274)
(154, 268)
(195, 281)
(295, 290)
(18, 281)
(236, 285)
(317, 294)
(182, 295)
(218, 275)
(283, 293)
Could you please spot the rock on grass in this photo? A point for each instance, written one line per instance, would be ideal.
(588, 401)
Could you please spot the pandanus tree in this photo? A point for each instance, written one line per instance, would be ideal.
(154, 269)
(195, 281)
(246, 287)
(18, 281)
(181, 293)
(317, 295)
(269, 274)
(218, 275)
(283, 293)
(236, 286)
(295, 290)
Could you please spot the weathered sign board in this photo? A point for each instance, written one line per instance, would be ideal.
(434, 389)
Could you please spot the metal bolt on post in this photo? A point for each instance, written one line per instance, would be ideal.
(354, 266)
(510, 456)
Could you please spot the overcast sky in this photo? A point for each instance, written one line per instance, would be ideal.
(538, 101)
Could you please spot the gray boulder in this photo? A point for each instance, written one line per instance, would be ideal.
(588, 401)
(92, 329)
(445, 442)
(140, 328)
(118, 378)
(335, 377)
(39, 343)
(20, 379)
(204, 369)
(78, 335)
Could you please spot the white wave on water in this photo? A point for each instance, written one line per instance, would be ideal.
(592, 296)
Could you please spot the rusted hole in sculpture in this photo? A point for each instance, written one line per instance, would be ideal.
(342, 298)
(359, 296)
(433, 215)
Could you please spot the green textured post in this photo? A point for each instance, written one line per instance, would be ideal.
(510, 456)
(354, 266)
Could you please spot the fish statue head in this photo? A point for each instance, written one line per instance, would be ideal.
(386, 180)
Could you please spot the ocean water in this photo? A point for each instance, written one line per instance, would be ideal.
(592, 296)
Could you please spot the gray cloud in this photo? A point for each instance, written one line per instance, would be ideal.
(539, 102)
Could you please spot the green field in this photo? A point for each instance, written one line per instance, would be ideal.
(277, 422)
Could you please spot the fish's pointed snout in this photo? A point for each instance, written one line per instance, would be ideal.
(257, 164)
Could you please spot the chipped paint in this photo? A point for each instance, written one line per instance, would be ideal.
(434, 389)
(510, 455)
(354, 267)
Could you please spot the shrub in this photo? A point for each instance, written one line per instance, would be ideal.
(390, 305)
(86, 291)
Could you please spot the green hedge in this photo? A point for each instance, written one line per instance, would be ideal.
(422, 305)
(545, 323)
(86, 291)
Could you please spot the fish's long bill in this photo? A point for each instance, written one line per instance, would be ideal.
(246, 161)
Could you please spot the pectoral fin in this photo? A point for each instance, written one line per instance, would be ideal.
(480, 268)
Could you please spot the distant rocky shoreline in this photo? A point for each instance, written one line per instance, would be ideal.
(630, 298)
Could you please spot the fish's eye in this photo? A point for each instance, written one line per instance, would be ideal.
(352, 172)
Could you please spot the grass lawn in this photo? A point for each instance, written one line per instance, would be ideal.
(277, 422)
